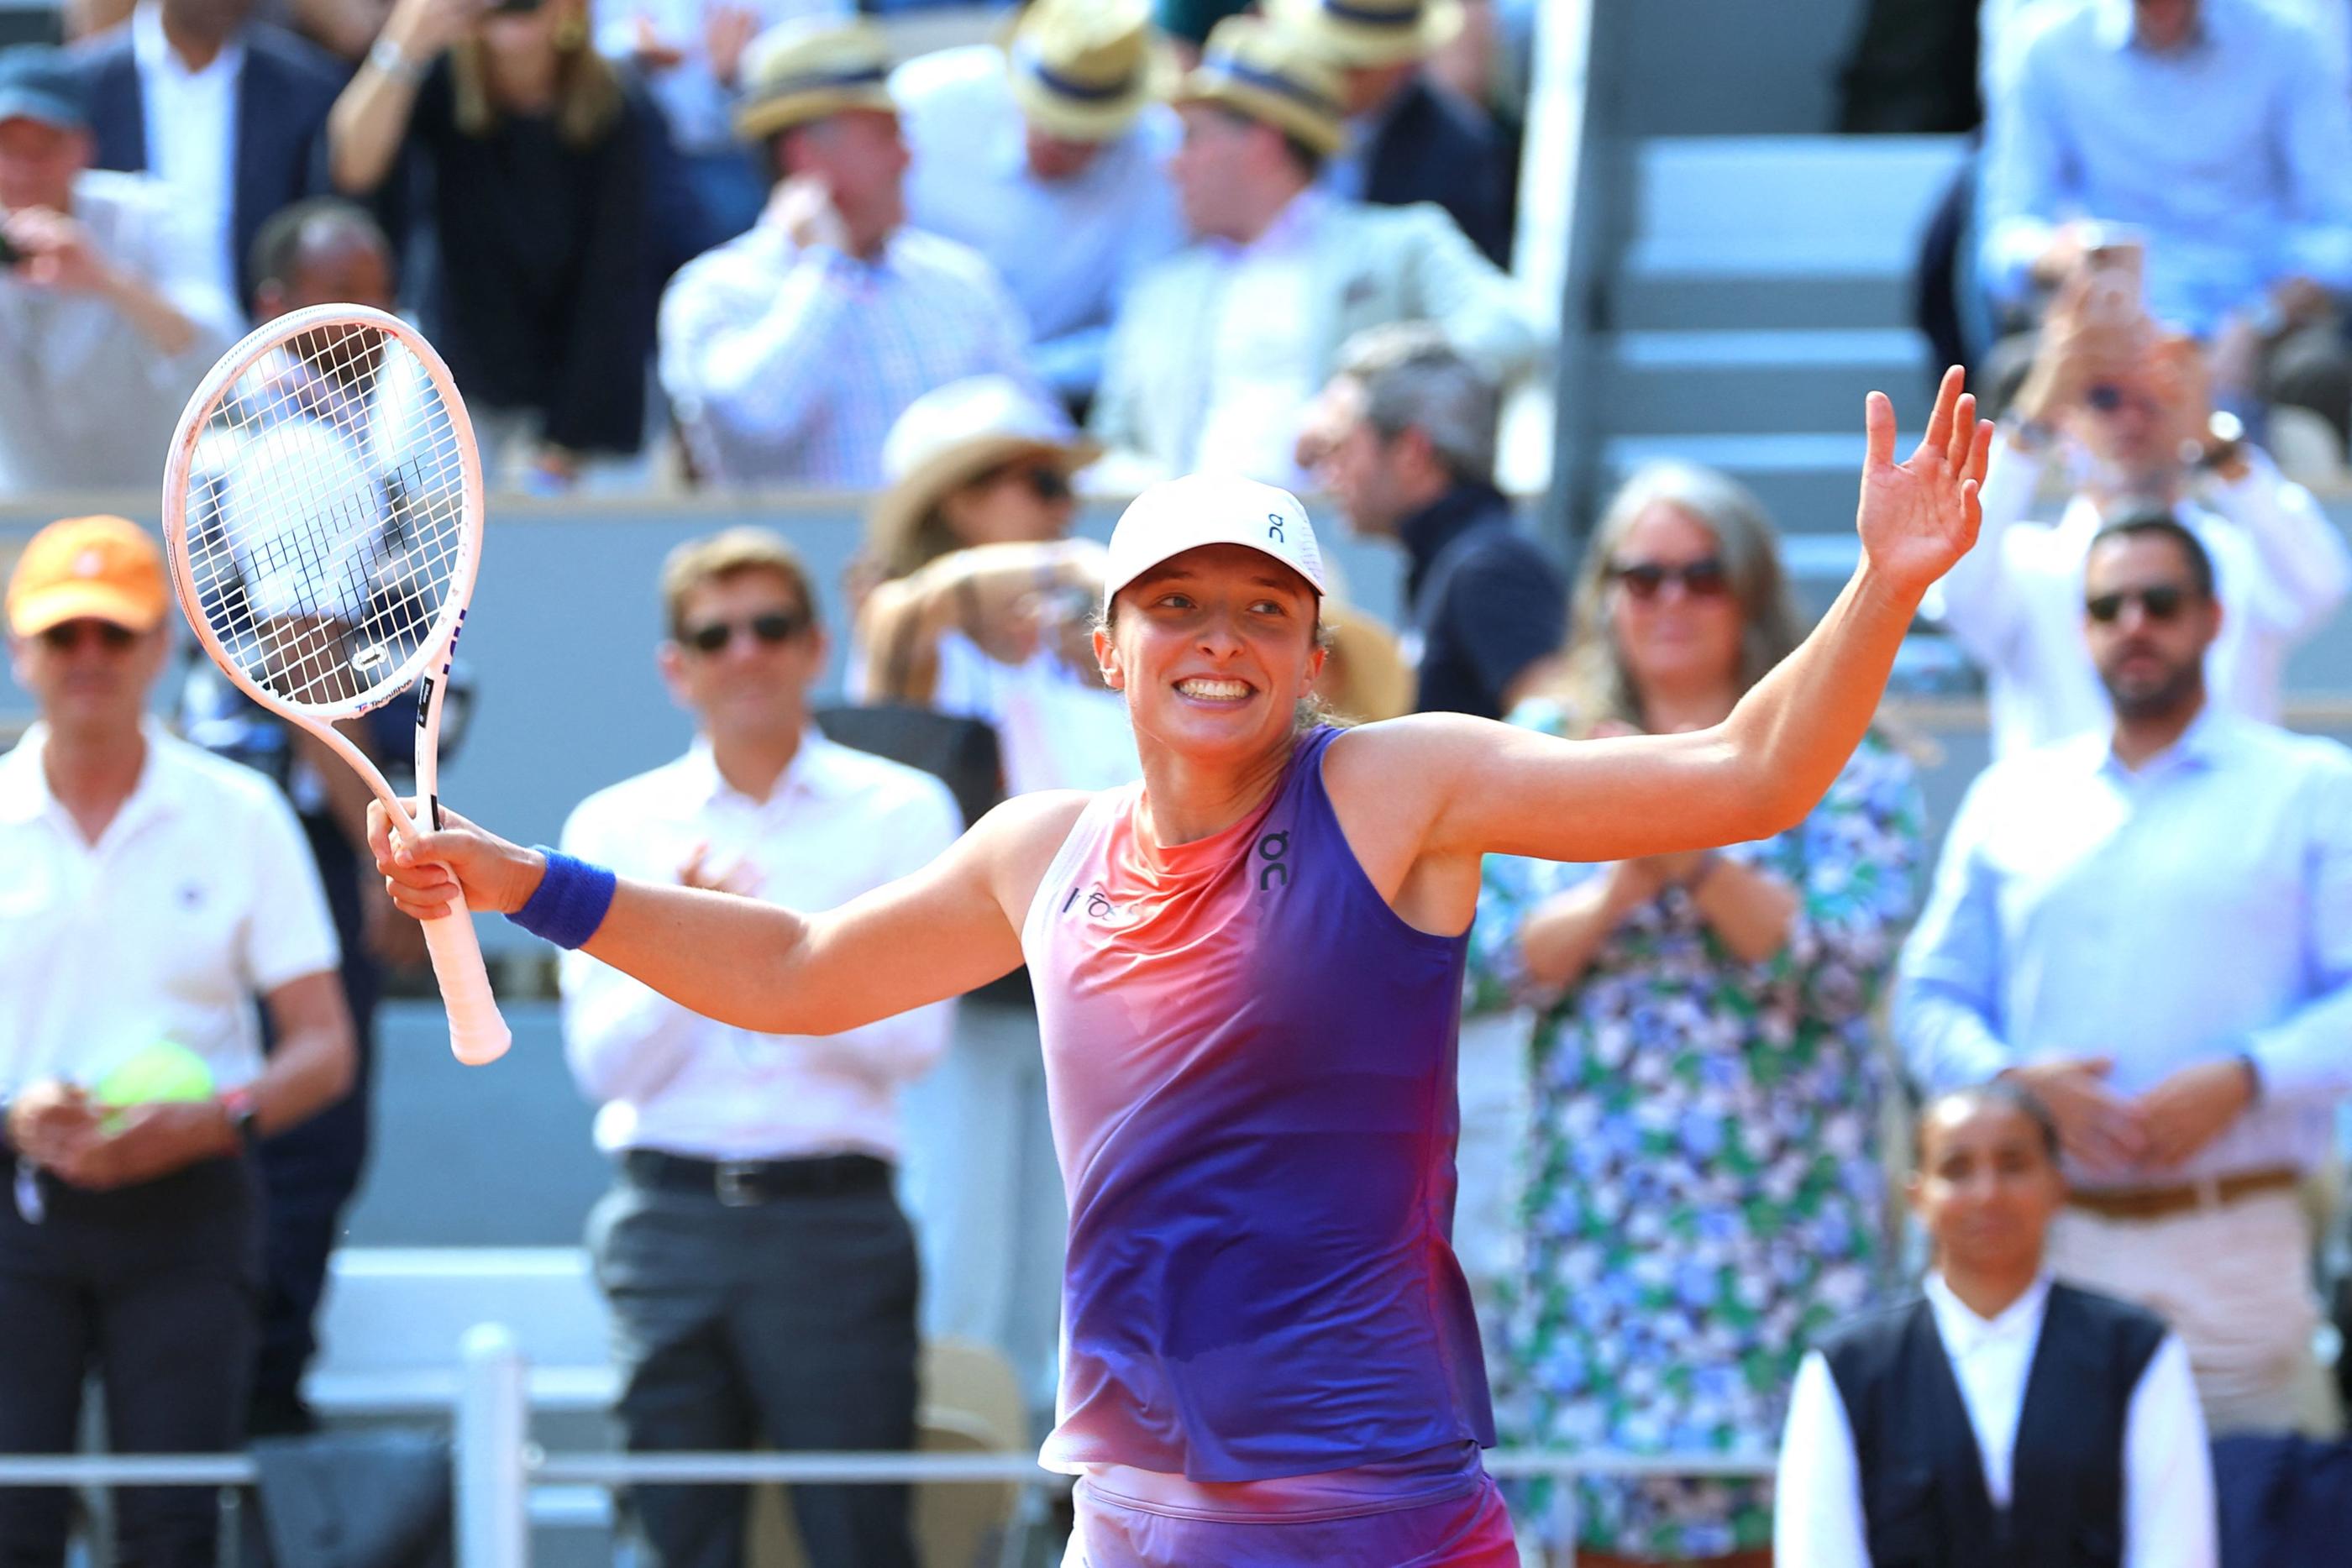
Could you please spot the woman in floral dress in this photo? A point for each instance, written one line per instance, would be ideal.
(1702, 1191)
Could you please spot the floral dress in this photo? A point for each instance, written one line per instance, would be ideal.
(1701, 1194)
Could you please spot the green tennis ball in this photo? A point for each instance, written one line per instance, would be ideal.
(164, 1070)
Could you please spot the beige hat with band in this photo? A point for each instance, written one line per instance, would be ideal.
(807, 68)
(1083, 69)
(1370, 32)
(951, 435)
(1273, 75)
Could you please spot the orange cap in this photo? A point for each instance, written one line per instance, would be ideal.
(104, 568)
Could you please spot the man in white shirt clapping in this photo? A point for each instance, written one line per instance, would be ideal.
(762, 1275)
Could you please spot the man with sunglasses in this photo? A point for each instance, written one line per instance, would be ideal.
(762, 1275)
(2129, 414)
(2151, 928)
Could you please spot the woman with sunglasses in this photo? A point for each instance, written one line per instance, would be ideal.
(1701, 1193)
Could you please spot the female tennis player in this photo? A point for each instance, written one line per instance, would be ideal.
(1248, 970)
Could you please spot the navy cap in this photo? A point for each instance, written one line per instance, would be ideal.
(38, 81)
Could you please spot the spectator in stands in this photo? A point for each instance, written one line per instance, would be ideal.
(1049, 158)
(1406, 433)
(790, 352)
(153, 896)
(106, 303)
(1408, 138)
(1702, 1193)
(1217, 350)
(537, 151)
(2247, 226)
(762, 1277)
(2137, 409)
(316, 252)
(2076, 1426)
(228, 112)
(2151, 926)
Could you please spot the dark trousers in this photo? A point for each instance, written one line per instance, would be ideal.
(791, 1319)
(154, 1286)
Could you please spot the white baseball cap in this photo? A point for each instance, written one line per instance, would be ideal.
(1178, 515)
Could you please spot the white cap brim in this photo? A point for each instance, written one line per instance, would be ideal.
(1200, 509)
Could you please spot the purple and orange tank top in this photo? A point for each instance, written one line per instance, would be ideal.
(1250, 1060)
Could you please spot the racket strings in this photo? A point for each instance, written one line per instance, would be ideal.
(326, 516)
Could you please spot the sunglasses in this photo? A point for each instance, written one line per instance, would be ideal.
(771, 629)
(1047, 483)
(66, 636)
(2162, 603)
(1644, 579)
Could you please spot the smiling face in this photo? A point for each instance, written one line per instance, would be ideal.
(1214, 649)
(1987, 1186)
(1680, 633)
(752, 683)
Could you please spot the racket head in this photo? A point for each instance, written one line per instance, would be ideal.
(322, 511)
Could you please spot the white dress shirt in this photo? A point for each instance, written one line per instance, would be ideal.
(2167, 1505)
(2015, 603)
(693, 100)
(85, 400)
(2194, 909)
(839, 824)
(190, 121)
(788, 366)
(1067, 248)
(1262, 359)
(200, 895)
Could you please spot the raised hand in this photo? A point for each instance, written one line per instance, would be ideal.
(1919, 516)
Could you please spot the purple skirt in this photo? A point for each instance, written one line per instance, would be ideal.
(1471, 1530)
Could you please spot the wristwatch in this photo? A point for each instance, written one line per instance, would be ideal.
(2223, 445)
(236, 1104)
(390, 59)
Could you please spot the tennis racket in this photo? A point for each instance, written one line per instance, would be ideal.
(323, 508)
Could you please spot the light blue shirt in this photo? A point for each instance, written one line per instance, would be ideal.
(2194, 909)
(2232, 154)
(1067, 248)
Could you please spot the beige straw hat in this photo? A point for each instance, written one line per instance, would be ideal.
(1085, 68)
(1273, 75)
(807, 68)
(1370, 32)
(951, 436)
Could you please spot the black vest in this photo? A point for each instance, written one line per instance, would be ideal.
(1924, 1503)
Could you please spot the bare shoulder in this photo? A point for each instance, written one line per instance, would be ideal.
(1016, 842)
(1420, 746)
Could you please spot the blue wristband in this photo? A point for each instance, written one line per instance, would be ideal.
(570, 903)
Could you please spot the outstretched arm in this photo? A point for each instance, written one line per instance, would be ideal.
(950, 927)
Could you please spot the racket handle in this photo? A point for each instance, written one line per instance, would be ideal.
(477, 1033)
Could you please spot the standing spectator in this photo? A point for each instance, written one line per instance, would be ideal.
(107, 310)
(789, 352)
(690, 54)
(1049, 158)
(538, 153)
(2247, 225)
(1217, 350)
(1409, 139)
(762, 1277)
(229, 113)
(2076, 1436)
(2132, 407)
(2151, 926)
(1703, 1195)
(1408, 432)
(152, 895)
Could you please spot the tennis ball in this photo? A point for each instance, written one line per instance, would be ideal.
(164, 1070)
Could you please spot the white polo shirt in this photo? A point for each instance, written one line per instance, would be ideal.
(200, 897)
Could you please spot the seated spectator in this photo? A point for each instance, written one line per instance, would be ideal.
(155, 896)
(790, 352)
(691, 55)
(1409, 139)
(1049, 157)
(538, 154)
(106, 303)
(1406, 430)
(2137, 409)
(2075, 1437)
(2246, 226)
(2150, 926)
(1218, 349)
(228, 112)
(762, 1275)
(1702, 1195)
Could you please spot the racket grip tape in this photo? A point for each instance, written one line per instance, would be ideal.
(477, 1033)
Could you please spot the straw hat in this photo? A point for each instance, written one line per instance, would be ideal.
(807, 68)
(951, 435)
(1273, 75)
(1366, 679)
(1085, 68)
(1370, 32)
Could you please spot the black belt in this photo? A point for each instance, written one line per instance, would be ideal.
(739, 1183)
